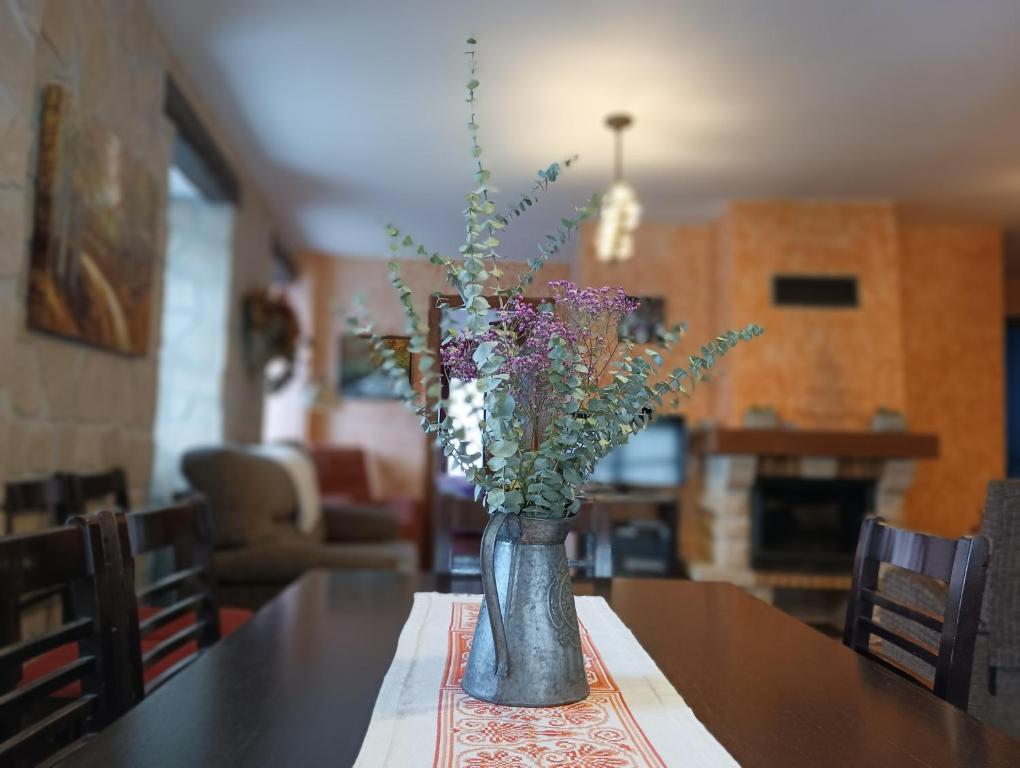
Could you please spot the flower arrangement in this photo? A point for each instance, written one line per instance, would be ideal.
(558, 389)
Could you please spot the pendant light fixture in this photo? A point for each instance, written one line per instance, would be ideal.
(621, 211)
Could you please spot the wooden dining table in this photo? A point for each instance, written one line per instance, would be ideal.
(296, 685)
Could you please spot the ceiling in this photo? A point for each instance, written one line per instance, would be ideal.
(351, 114)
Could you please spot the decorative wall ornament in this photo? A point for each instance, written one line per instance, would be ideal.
(646, 322)
(360, 372)
(272, 335)
(94, 248)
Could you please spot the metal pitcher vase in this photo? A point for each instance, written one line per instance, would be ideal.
(526, 650)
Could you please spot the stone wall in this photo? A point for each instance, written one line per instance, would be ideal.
(953, 342)
(64, 405)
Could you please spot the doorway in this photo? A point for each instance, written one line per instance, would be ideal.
(1013, 397)
(193, 344)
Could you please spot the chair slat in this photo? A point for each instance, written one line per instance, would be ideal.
(172, 643)
(46, 684)
(924, 652)
(923, 618)
(85, 490)
(27, 741)
(36, 646)
(894, 666)
(168, 673)
(41, 595)
(47, 496)
(43, 560)
(917, 552)
(170, 613)
(169, 582)
(152, 529)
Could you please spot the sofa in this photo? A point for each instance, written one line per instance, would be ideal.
(262, 542)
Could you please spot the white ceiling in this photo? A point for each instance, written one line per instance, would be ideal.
(349, 114)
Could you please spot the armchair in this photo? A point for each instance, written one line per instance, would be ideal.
(259, 546)
(348, 504)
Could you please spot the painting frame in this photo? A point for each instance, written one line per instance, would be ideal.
(644, 324)
(93, 253)
(359, 374)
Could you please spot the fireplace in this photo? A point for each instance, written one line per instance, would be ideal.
(809, 525)
(777, 511)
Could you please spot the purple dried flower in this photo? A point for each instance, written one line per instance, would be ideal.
(593, 303)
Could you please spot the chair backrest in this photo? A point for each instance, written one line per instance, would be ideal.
(183, 601)
(106, 488)
(961, 563)
(457, 523)
(46, 496)
(342, 471)
(456, 517)
(35, 724)
(594, 526)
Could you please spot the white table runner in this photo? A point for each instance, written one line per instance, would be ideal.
(633, 717)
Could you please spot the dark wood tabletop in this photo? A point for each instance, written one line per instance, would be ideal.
(297, 684)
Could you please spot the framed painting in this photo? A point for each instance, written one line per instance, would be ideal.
(645, 323)
(93, 249)
(360, 372)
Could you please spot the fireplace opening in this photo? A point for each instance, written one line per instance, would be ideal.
(802, 524)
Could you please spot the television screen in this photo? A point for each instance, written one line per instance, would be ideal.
(654, 458)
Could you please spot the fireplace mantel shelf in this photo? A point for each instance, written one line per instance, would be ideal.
(815, 443)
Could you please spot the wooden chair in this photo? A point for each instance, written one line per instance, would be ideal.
(53, 712)
(178, 613)
(459, 522)
(961, 563)
(457, 526)
(85, 490)
(47, 497)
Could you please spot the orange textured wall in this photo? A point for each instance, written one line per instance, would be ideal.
(953, 357)
(387, 431)
(818, 367)
(677, 264)
(930, 302)
(926, 338)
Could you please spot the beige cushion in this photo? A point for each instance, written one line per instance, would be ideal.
(250, 496)
(283, 562)
(359, 522)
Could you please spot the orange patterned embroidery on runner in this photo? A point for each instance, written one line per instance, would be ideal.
(599, 732)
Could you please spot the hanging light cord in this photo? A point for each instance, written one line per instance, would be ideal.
(618, 164)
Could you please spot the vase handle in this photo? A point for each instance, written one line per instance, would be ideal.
(488, 569)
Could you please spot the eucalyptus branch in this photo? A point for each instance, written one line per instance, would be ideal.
(527, 200)
(556, 388)
(554, 243)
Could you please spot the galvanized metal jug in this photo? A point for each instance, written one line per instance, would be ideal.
(526, 651)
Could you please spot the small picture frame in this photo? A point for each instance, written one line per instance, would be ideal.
(360, 371)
